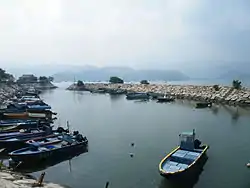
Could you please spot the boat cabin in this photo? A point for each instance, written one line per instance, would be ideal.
(187, 140)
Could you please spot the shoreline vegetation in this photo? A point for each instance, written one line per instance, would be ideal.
(235, 95)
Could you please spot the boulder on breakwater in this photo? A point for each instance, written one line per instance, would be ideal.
(75, 87)
(223, 94)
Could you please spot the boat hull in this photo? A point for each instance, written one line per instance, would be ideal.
(199, 163)
(48, 154)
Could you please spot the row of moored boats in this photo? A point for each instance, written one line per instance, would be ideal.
(27, 133)
(145, 96)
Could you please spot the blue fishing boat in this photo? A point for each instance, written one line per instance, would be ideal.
(24, 125)
(15, 141)
(36, 152)
(44, 136)
(26, 133)
(30, 107)
(185, 157)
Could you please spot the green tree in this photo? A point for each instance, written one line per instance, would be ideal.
(236, 84)
(50, 78)
(115, 80)
(144, 82)
(6, 76)
(80, 83)
(43, 79)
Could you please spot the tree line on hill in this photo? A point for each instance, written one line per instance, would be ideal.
(26, 78)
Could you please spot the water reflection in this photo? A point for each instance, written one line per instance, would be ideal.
(187, 181)
(215, 110)
(234, 112)
(116, 97)
(30, 167)
(141, 101)
(78, 95)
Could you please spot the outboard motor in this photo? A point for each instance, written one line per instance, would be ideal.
(75, 133)
(79, 138)
(197, 144)
(61, 130)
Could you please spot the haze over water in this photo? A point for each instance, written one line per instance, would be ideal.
(112, 123)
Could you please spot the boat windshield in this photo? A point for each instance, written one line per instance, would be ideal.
(187, 140)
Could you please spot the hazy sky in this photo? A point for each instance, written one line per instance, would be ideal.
(137, 33)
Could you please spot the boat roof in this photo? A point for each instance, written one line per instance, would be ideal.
(187, 133)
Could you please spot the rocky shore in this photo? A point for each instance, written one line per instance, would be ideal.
(222, 95)
(39, 86)
(7, 91)
(10, 179)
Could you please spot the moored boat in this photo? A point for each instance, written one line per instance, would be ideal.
(165, 99)
(137, 96)
(185, 157)
(42, 152)
(204, 105)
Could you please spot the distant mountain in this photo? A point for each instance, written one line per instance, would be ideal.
(234, 74)
(44, 70)
(126, 73)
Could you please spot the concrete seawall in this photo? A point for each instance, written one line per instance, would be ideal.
(224, 95)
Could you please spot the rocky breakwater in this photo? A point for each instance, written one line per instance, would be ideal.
(15, 180)
(76, 87)
(7, 91)
(222, 94)
(38, 86)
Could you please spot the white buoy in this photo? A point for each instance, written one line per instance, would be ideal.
(248, 165)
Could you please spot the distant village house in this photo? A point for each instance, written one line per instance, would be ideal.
(27, 78)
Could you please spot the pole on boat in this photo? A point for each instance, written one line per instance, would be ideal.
(68, 125)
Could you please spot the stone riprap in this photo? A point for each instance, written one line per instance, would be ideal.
(7, 91)
(224, 95)
(14, 180)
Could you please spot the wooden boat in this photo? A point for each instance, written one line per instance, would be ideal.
(165, 99)
(154, 96)
(28, 115)
(24, 125)
(137, 96)
(26, 133)
(8, 128)
(204, 105)
(16, 141)
(184, 158)
(116, 91)
(37, 153)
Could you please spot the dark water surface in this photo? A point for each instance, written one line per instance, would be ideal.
(112, 123)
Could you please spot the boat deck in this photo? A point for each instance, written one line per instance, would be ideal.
(37, 150)
(180, 160)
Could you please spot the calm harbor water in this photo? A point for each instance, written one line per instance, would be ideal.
(112, 123)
